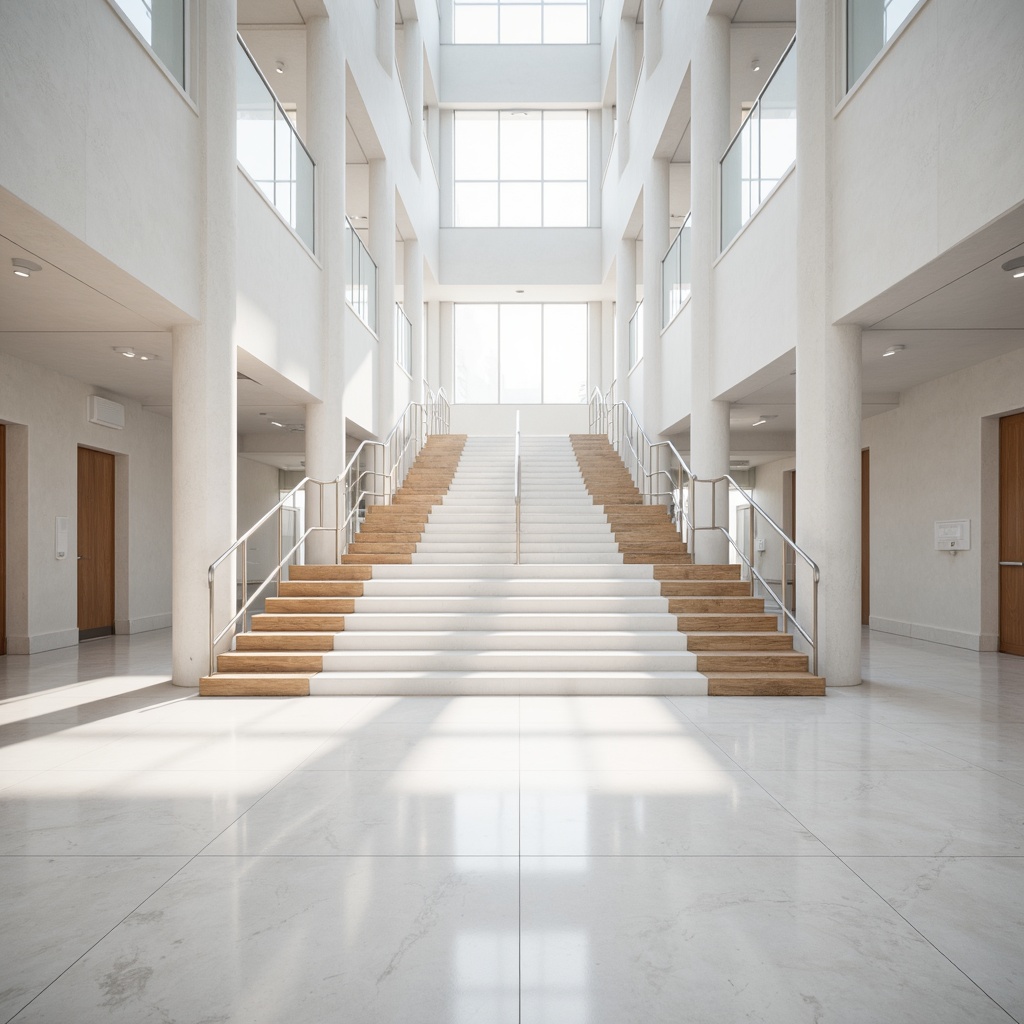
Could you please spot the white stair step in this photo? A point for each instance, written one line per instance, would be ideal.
(434, 660)
(561, 572)
(508, 621)
(513, 603)
(511, 588)
(475, 557)
(678, 684)
(496, 640)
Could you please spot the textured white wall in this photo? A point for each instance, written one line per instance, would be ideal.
(925, 145)
(51, 413)
(754, 292)
(520, 74)
(935, 458)
(258, 492)
(95, 136)
(279, 311)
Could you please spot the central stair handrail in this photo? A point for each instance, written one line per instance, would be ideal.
(625, 434)
(517, 487)
(372, 475)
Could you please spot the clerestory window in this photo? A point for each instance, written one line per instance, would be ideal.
(521, 21)
(520, 168)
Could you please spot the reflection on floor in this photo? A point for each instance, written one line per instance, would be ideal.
(505, 859)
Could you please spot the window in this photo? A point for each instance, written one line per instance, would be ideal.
(523, 21)
(162, 24)
(870, 24)
(521, 168)
(521, 353)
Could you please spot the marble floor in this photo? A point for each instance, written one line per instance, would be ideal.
(856, 858)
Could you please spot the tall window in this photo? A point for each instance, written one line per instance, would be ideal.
(521, 21)
(162, 24)
(525, 353)
(520, 168)
(870, 24)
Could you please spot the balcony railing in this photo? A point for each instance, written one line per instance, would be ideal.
(270, 150)
(636, 335)
(361, 287)
(403, 339)
(675, 275)
(763, 149)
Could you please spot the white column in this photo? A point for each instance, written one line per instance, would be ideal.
(625, 303)
(625, 81)
(828, 371)
(203, 367)
(652, 35)
(413, 302)
(325, 420)
(709, 135)
(382, 250)
(432, 344)
(386, 34)
(446, 348)
(412, 79)
(656, 232)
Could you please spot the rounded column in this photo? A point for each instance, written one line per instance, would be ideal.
(828, 372)
(625, 303)
(656, 232)
(325, 420)
(204, 365)
(709, 419)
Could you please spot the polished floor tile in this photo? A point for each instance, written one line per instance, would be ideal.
(511, 860)
(904, 813)
(124, 813)
(382, 813)
(55, 908)
(655, 813)
(798, 939)
(303, 941)
(970, 908)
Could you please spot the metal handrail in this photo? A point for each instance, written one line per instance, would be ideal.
(625, 433)
(517, 487)
(354, 487)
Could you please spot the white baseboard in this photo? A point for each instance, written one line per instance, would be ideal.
(42, 642)
(935, 634)
(143, 624)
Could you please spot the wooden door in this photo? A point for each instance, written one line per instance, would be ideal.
(865, 536)
(3, 539)
(1011, 534)
(95, 544)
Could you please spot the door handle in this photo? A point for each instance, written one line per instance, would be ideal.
(1016, 564)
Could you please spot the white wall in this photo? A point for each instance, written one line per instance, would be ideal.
(361, 354)
(258, 492)
(754, 292)
(935, 457)
(520, 74)
(928, 145)
(768, 492)
(500, 420)
(279, 287)
(98, 138)
(521, 256)
(42, 595)
(675, 369)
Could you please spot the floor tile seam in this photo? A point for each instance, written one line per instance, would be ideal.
(968, 763)
(174, 874)
(924, 938)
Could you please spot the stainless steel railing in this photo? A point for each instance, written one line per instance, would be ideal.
(372, 476)
(657, 466)
(517, 487)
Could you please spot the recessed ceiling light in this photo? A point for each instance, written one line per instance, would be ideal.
(1015, 266)
(24, 268)
(764, 418)
(755, 64)
(147, 357)
(279, 67)
(128, 353)
(520, 291)
(274, 423)
(892, 350)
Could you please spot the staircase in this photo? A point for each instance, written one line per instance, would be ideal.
(428, 599)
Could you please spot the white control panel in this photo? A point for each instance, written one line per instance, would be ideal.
(952, 535)
(60, 537)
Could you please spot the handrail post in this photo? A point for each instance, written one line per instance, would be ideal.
(750, 541)
(245, 578)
